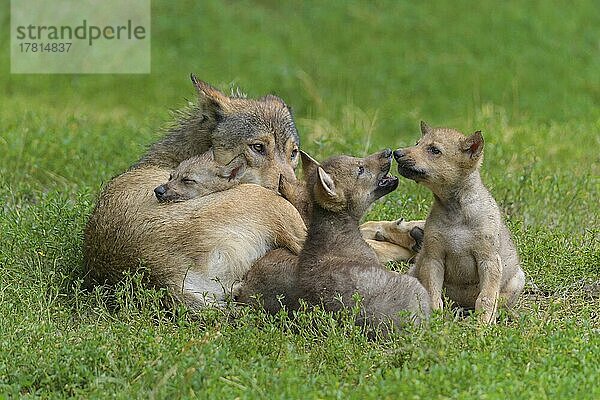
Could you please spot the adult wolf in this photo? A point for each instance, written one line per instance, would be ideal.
(200, 247)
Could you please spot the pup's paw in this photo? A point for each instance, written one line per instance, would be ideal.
(417, 234)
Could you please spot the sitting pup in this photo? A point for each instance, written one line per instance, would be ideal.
(336, 262)
(199, 176)
(467, 249)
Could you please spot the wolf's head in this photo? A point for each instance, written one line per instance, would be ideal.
(261, 130)
(441, 158)
(199, 176)
(349, 184)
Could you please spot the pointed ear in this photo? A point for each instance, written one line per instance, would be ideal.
(208, 155)
(326, 183)
(209, 97)
(473, 145)
(425, 129)
(235, 169)
(309, 165)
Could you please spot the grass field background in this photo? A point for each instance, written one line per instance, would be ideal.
(359, 76)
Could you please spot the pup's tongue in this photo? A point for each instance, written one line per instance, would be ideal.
(386, 180)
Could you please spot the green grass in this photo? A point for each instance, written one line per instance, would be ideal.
(359, 76)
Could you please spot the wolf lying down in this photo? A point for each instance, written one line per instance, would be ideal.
(200, 247)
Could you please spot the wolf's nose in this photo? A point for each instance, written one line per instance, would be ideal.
(387, 153)
(159, 191)
(398, 154)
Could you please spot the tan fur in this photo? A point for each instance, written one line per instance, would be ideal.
(467, 248)
(394, 240)
(198, 248)
(201, 175)
(182, 244)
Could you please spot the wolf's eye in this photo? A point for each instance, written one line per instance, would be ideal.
(361, 170)
(188, 181)
(434, 150)
(258, 148)
(294, 154)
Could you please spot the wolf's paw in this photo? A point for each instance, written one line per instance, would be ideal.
(417, 234)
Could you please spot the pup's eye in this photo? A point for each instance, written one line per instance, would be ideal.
(294, 154)
(188, 181)
(361, 170)
(171, 177)
(258, 148)
(434, 150)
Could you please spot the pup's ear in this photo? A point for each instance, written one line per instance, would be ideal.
(208, 156)
(326, 183)
(309, 165)
(212, 100)
(235, 169)
(473, 145)
(425, 129)
(325, 193)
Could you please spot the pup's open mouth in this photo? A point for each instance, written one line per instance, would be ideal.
(387, 181)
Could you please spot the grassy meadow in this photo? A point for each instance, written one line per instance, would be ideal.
(359, 76)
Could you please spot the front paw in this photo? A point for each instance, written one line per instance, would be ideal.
(437, 304)
(486, 307)
(417, 234)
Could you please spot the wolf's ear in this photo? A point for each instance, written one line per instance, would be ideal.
(235, 169)
(326, 183)
(208, 155)
(211, 99)
(425, 129)
(309, 165)
(287, 190)
(473, 145)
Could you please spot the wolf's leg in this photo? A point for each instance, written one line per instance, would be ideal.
(406, 238)
(490, 276)
(430, 270)
(513, 288)
(387, 251)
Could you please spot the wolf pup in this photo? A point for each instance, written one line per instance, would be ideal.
(199, 176)
(336, 262)
(392, 240)
(467, 248)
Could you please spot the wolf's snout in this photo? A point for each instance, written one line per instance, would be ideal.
(387, 153)
(399, 154)
(160, 191)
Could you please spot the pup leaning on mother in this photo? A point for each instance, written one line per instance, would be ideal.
(200, 247)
